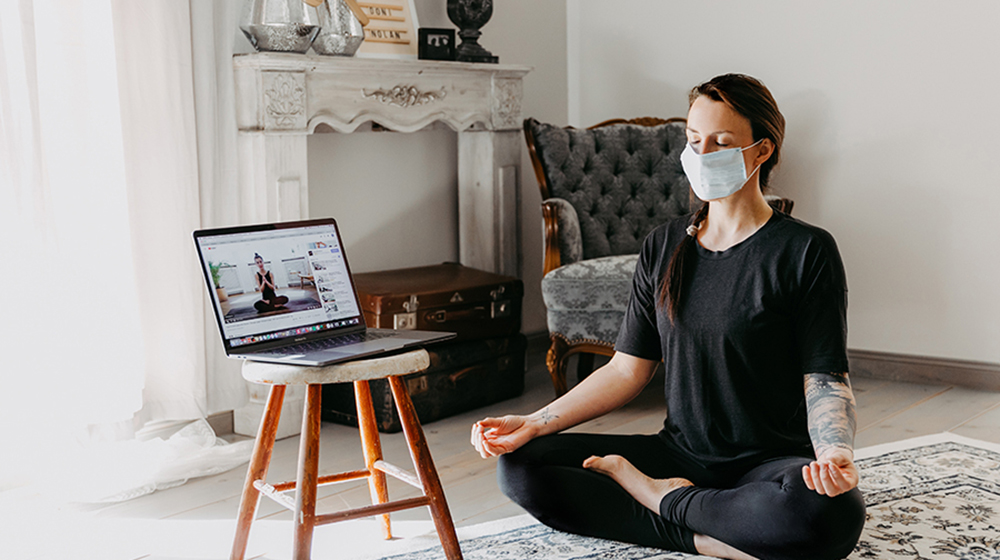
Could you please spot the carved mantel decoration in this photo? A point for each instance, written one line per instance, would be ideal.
(405, 96)
(286, 97)
(281, 98)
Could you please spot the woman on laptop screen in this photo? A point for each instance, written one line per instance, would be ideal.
(269, 301)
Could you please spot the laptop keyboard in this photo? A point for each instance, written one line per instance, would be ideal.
(334, 342)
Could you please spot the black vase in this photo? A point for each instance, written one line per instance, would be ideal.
(469, 16)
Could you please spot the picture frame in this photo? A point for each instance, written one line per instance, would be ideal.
(436, 43)
(391, 31)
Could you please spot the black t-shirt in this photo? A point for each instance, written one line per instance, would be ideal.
(266, 291)
(753, 320)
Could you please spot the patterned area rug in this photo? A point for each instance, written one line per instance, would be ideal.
(938, 497)
(928, 498)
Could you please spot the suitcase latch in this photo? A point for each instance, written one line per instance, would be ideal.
(500, 309)
(437, 316)
(417, 385)
(497, 293)
(407, 320)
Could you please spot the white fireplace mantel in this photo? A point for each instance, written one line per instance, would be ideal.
(282, 98)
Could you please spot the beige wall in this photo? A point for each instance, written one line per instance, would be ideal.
(395, 194)
(891, 108)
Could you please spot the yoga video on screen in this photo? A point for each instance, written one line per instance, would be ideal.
(260, 280)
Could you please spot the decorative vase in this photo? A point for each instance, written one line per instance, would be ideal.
(279, 25)
(341, 33)
(469, 16)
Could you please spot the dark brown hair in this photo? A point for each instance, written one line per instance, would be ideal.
(751, 99)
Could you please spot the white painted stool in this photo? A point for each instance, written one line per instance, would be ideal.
(307, 481)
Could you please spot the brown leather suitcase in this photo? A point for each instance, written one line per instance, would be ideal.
(462, 376)
(447, 297)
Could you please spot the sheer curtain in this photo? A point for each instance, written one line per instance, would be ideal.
(107, 159)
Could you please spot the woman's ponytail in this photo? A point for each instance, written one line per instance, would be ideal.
(672, 283)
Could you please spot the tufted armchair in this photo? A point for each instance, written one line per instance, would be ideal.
(604, 189)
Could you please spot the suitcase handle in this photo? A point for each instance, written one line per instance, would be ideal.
(503, 364)
(458, 375)
(496, 310)
(443, 316)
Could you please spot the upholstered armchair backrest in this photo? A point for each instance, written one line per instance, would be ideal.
(623, 180)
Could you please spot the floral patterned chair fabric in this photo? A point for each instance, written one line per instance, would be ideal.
(586, 300)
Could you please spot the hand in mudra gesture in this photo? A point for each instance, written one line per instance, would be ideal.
(495, 436)
(832, 473)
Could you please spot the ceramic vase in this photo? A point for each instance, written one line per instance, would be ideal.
(469, 16)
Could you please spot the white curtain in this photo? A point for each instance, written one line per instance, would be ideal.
(116, 129)
(215, 37)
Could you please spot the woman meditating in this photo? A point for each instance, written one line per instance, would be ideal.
(747, 308)
(269, 300)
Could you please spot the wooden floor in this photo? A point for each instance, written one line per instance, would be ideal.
(887, 411)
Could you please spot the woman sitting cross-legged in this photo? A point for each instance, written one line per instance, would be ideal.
(269, 300)
(747, 308)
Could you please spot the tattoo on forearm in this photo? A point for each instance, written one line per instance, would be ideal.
(831, 411)
(547, 416)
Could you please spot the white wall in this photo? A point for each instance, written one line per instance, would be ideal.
(892, 109)
(394, 195)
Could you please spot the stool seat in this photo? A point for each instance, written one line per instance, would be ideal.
(358, 370)
(303, 505)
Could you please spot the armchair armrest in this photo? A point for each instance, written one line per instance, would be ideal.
(563, 243)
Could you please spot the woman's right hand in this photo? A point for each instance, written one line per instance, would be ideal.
(495, 436)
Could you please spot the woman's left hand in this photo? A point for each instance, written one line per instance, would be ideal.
(833, 473)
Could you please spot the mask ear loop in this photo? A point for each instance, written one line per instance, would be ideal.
(755, 169)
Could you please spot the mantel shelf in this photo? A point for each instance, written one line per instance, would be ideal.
(288, 93)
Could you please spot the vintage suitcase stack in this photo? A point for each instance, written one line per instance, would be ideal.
(484, 364)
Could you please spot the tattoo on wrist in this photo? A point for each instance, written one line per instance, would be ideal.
(545, 416)
(831, 411)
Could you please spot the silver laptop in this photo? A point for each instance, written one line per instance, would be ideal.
(283, 293)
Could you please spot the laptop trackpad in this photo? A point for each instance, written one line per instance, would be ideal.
(365, 347)
(383, 344)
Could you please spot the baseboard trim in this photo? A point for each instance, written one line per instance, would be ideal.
(221, 423)
(922, 369)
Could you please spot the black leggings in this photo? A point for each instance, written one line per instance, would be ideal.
(270, 305)
(766, 511)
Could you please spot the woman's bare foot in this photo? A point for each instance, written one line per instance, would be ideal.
(650, 492)
(647, 491)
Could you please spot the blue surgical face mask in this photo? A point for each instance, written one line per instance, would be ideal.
(717, 174)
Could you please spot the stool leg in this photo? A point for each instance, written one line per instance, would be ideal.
(259, 462)
(373, 450)
(305, 483)
(425, 469)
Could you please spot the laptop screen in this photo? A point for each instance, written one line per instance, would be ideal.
(271, 284)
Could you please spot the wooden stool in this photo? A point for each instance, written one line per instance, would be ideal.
(304, 504)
